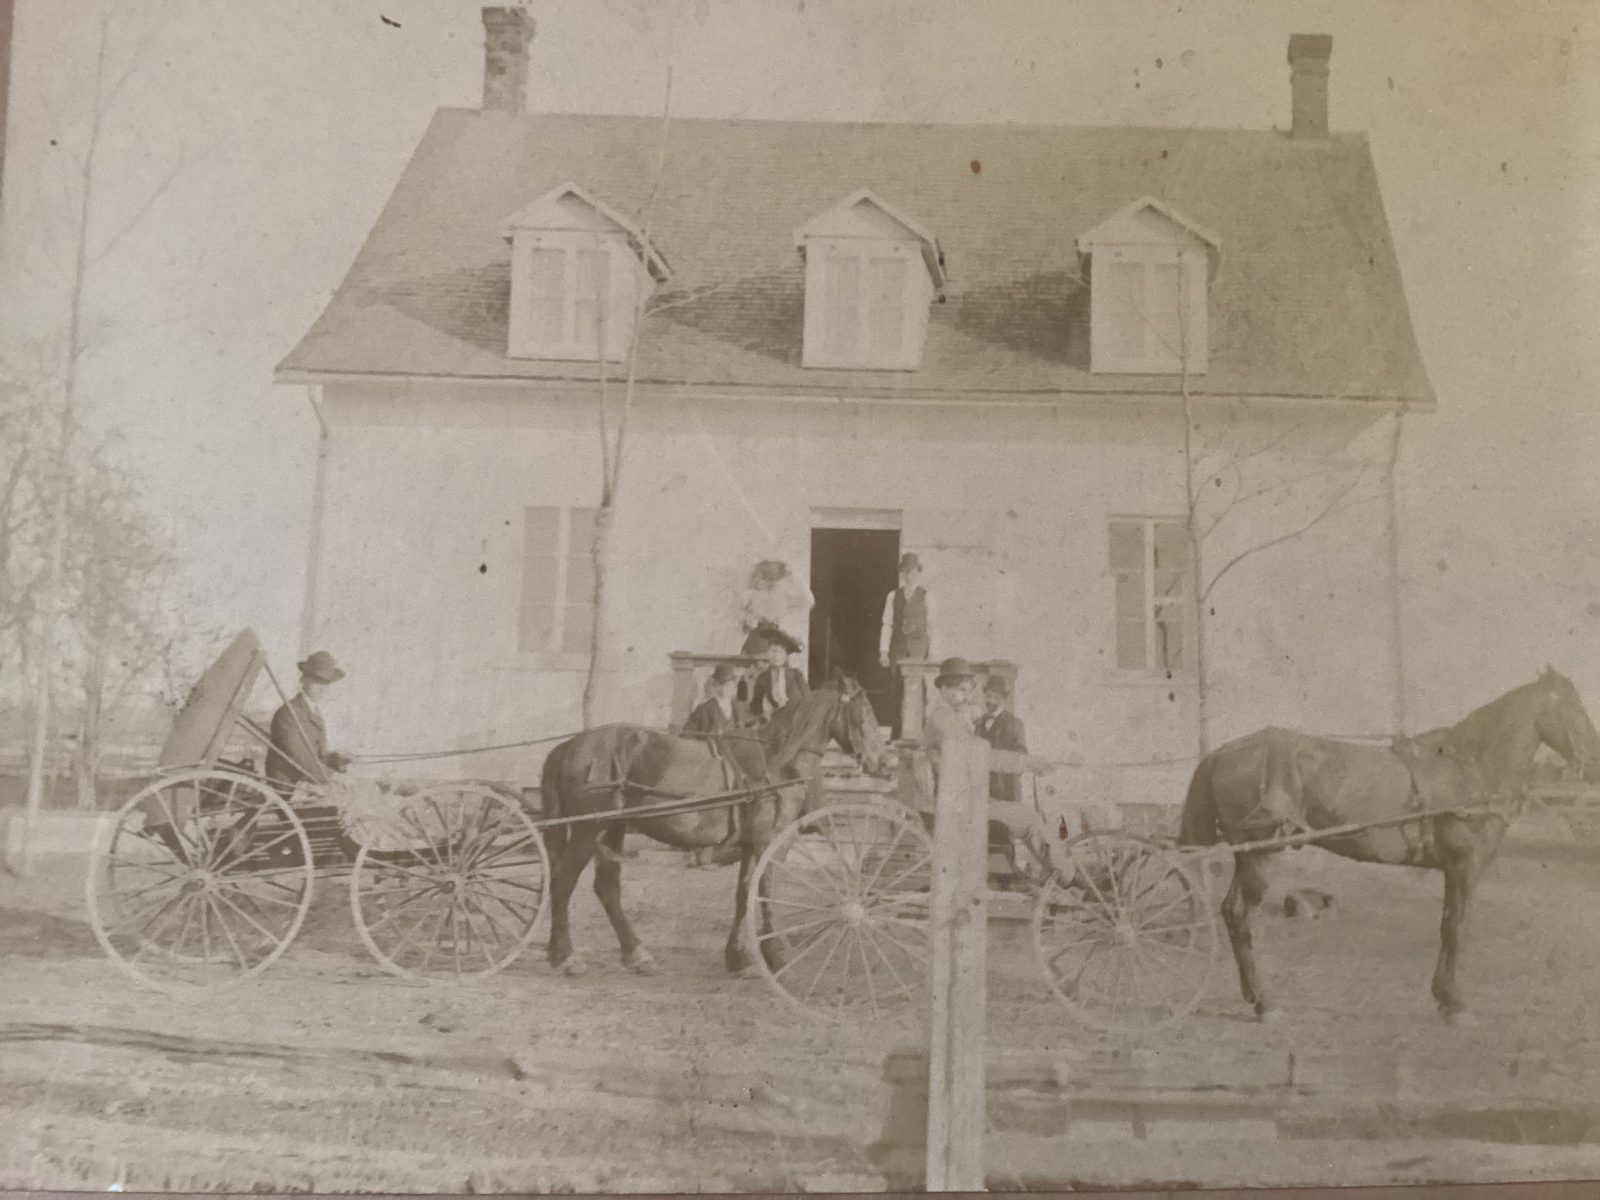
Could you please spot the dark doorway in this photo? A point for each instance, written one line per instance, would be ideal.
(852, 570)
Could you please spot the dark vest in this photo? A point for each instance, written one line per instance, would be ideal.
(909, 636)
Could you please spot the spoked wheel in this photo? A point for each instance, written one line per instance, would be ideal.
(458, 888)
(1124, 935)
(838, 910)
(202, 879)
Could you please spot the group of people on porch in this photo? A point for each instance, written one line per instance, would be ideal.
(775, 604)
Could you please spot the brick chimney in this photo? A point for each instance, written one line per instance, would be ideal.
(507, 33)
(1308, 83)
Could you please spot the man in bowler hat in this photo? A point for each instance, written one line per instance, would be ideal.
(720, 710)
(907, 616)
(718, 713)
(906, 630)
(1003, 730)
(299, 752)
(949, 718)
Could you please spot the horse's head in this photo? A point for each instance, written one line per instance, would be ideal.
(855, 726)
(1564, 725)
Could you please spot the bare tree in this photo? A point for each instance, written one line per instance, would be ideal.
(613, 435)
(116, 571)
(1221, 492)
(40, 612)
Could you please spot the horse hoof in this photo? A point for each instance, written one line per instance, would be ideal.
(1457, 1016)
(574, 967)
(1268, 1015)
(641, 963)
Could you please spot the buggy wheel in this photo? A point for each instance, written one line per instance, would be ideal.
(202, 879)
(838, 909)
(457, 890)
(1124, 935)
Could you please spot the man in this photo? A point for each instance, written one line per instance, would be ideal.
(1003, 730)
(1009, 817)
(299, 752)
(778, 683)
(906, 630)
(907, 617)
(719, 711)
(949, 719)
(717, 714)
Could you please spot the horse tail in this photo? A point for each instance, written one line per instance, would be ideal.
(555, 836)
(1198, 824)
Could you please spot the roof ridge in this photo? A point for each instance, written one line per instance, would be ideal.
(1339, 136)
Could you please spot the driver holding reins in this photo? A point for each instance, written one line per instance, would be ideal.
(299, 751)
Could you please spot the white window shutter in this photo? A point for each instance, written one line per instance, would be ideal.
(628, 275)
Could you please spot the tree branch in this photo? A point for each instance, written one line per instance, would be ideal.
(1250, 551)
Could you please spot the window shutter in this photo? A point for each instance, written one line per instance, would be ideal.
(1125, 291)
(547, 293)
(1164, 334)
(841, 296)
(591, 293)
(577, 629)
(541, 574)
(886, 308)
(628, 275)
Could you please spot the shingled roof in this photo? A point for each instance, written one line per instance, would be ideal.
(1307, 300)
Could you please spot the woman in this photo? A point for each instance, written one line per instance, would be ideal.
(773, 598)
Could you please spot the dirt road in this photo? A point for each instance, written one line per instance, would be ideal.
(327, 1073)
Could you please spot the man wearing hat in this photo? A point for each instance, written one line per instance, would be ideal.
(906, 630)
(907, 627)
(718, 713)
(777, 683)
(1002, 729)
(949, 719)
(299, 752)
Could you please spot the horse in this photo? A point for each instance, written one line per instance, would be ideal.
(613, 768)
(1277, 781)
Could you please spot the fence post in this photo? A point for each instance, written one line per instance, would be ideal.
(957, 936)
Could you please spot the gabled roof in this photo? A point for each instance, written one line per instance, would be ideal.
(569, 207)
(1132, 224)
(861, 214)
(1311, 302)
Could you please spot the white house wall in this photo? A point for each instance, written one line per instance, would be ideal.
(1007, 507)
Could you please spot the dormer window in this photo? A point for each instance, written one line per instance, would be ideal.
(1149, 270)
(577, 271)
(871, 273)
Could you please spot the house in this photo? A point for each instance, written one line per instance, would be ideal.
(978, 343)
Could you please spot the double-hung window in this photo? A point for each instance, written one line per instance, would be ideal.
(1152, 574)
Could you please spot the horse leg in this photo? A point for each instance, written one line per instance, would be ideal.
(564, 872)
(608, 889)
(736, 955)
(1247, 890)
(1459, 877)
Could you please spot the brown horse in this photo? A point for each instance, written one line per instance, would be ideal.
(1277, 782)
(618, 767)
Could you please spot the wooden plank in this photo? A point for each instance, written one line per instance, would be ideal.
(958, 944)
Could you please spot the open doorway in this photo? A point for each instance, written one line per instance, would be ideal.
(852, 570)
